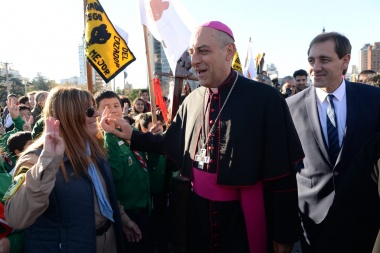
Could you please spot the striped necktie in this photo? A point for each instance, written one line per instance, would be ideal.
(332, 130)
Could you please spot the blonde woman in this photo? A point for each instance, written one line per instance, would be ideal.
(63, 193)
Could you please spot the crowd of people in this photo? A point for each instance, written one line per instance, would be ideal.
(84, 172)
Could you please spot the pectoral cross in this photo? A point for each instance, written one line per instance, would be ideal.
(202, 158)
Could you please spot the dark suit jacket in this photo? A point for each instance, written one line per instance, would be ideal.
(353, 220)
(317, 178)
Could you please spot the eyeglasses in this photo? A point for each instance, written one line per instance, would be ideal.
(91, 111)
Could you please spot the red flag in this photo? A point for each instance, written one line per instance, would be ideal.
(159, 98)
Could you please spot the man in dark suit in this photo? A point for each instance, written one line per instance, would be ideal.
(333, 118)
(352, 223)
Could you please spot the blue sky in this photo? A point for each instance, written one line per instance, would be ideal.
(43, 36)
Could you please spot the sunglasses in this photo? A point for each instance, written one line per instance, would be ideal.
(91, 111)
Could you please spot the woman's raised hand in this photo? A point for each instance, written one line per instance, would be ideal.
(53, 142)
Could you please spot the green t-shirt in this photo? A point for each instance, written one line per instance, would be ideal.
(9, 161)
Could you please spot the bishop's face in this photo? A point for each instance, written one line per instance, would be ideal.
(209, 59)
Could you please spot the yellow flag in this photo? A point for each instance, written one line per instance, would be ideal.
(236, 65)
(258, 58)
(259, 62)
(106, 50)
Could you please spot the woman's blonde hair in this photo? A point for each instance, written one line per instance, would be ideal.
(68, 105)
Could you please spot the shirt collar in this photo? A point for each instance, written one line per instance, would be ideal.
(226, 84)
(338, 93)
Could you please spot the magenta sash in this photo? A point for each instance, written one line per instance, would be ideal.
(252, 203)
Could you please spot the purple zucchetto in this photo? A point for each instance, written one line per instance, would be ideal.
(219, 26)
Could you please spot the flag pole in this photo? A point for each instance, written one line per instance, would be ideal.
(150, 76)
(88, 65)
(246, 58)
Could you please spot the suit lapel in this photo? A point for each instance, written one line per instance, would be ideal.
(312, 111)
(352, 117)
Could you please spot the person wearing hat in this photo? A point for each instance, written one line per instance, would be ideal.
(244, 191)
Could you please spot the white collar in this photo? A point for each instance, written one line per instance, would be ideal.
(338, 93)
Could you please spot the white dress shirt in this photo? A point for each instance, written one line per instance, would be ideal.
(340, 105)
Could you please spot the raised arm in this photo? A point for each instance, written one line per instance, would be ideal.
(28, 196)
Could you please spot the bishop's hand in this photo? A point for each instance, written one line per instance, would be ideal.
(107, 125)
(109, 121)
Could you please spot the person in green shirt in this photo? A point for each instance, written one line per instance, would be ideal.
(23, 121)
(10, 241)
(18, 142)
(38, 128)
(129, 170)
(160, 179)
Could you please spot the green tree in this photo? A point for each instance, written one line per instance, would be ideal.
(17, 87)
(41, 83)
(119, 91)
(133, 94)
(3, 94)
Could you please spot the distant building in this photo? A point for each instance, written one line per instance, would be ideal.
(96, 78)
(127, 85)
(161, 64)
(12, 73)
(272, 71)
(352, 75)
(73, 81)
(82, 62)
(370, 57)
